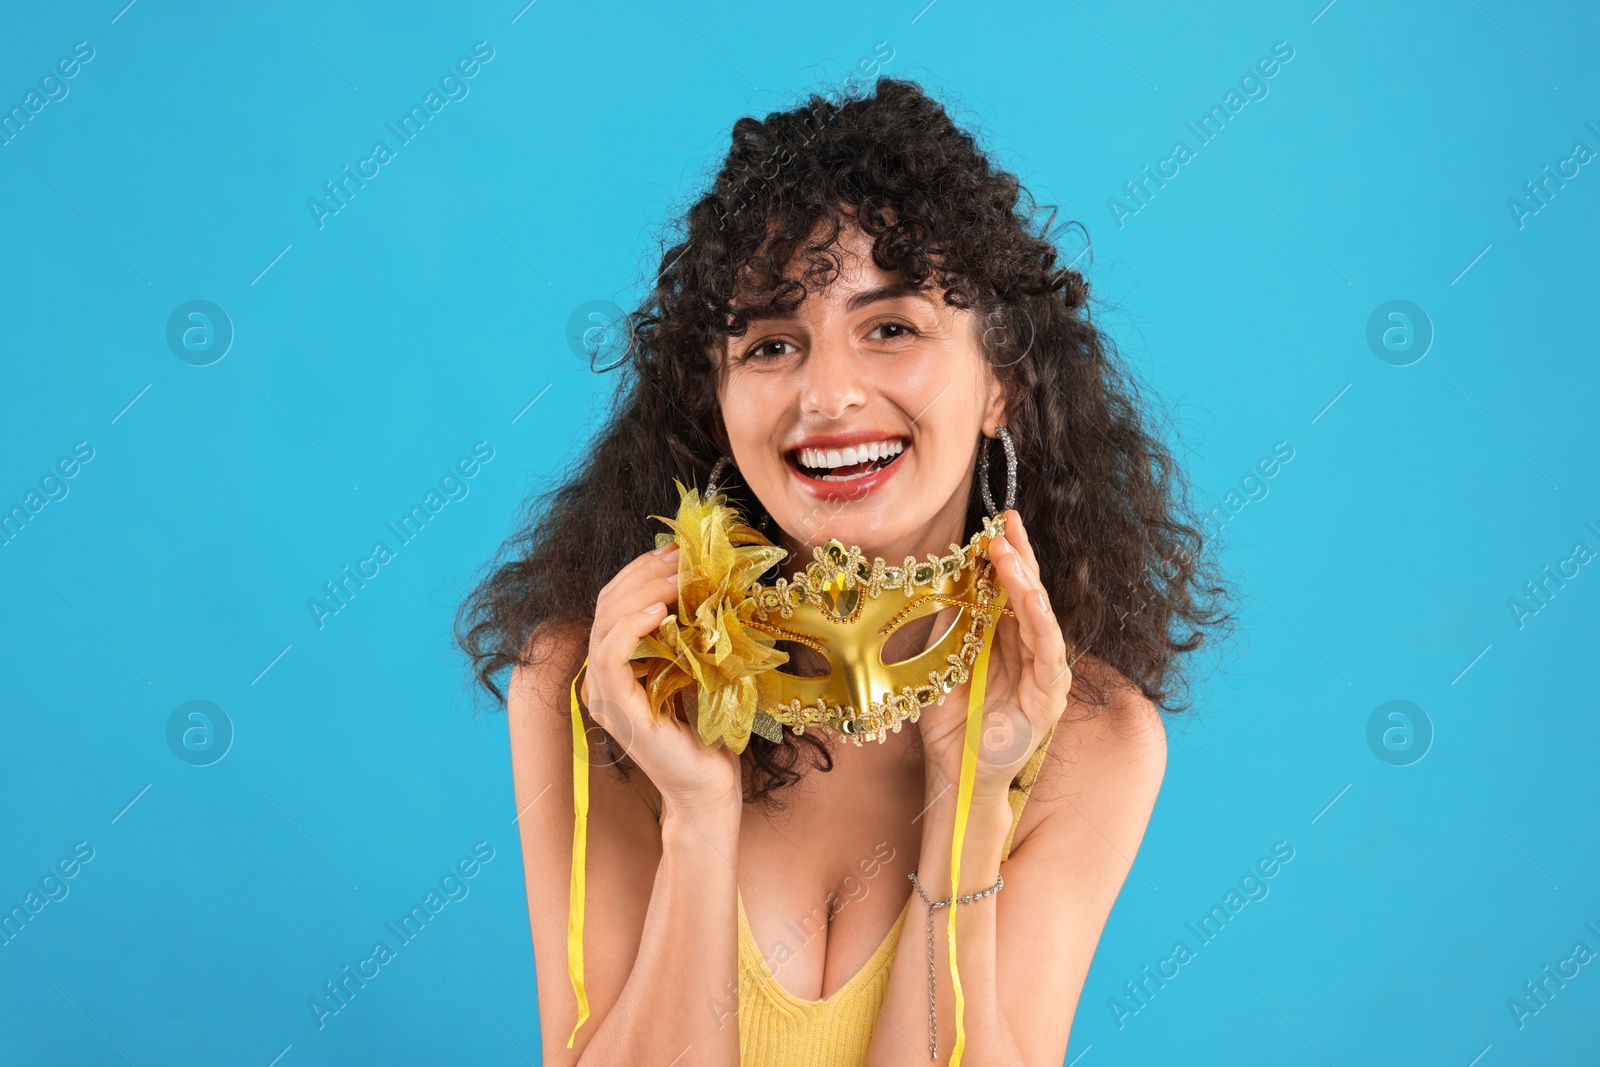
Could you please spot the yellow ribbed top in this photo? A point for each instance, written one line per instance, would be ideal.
(779, 1029)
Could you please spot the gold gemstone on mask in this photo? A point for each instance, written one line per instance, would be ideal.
(840, 603)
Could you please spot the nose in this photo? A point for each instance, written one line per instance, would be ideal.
(832, 381)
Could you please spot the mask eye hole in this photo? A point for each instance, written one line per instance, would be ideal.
(915, 636)
(804, 662)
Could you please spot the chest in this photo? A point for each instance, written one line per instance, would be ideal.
(824, 880)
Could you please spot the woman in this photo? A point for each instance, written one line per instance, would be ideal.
(857, 303)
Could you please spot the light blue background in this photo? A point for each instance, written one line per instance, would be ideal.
(428, 313)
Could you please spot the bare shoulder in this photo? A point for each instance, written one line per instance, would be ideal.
(623, 840)
(1105, 762)
(538, 705)
(1119, 738)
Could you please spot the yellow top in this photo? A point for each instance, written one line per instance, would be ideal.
(779, 1029)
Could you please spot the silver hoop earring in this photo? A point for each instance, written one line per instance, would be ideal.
(1004, 436)
(716, 475)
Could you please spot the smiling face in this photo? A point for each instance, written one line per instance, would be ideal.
(858, 416)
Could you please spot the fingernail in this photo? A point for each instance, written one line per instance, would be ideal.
(1043, 601)
(673, 578)
(655, 609)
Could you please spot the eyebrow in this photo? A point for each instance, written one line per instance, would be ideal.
(886, 292)
(858, 301)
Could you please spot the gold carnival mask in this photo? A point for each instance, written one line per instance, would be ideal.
(844, 607)
(848, 609)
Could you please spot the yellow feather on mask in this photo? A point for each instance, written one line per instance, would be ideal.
(708, 644)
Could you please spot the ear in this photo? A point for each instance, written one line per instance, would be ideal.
(719, 432)
(719, 429)
(996, 402)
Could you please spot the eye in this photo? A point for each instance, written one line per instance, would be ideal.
(767, 350)
(904, 330)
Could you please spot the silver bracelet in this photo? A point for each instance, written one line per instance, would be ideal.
(933, 1035)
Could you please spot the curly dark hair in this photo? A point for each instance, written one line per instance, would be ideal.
(1105, 504)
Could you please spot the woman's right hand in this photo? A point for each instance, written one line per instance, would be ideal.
(691, 777)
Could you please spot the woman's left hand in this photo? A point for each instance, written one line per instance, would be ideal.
(1028, 680)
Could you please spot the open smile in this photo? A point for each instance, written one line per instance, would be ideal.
(846, 470)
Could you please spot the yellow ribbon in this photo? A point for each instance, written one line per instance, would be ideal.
(580, 833)
(969, 773)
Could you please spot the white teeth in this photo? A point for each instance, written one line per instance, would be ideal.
(827, 459)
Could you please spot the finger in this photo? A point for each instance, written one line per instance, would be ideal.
(1051, 666)
(636, 596)
(1037, 626)
(1021, 592)
(1020, 541)
(610, 666)
(646, 581)
(1009, 561)
(1017, 536)
(658, 561)
(617, 643)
